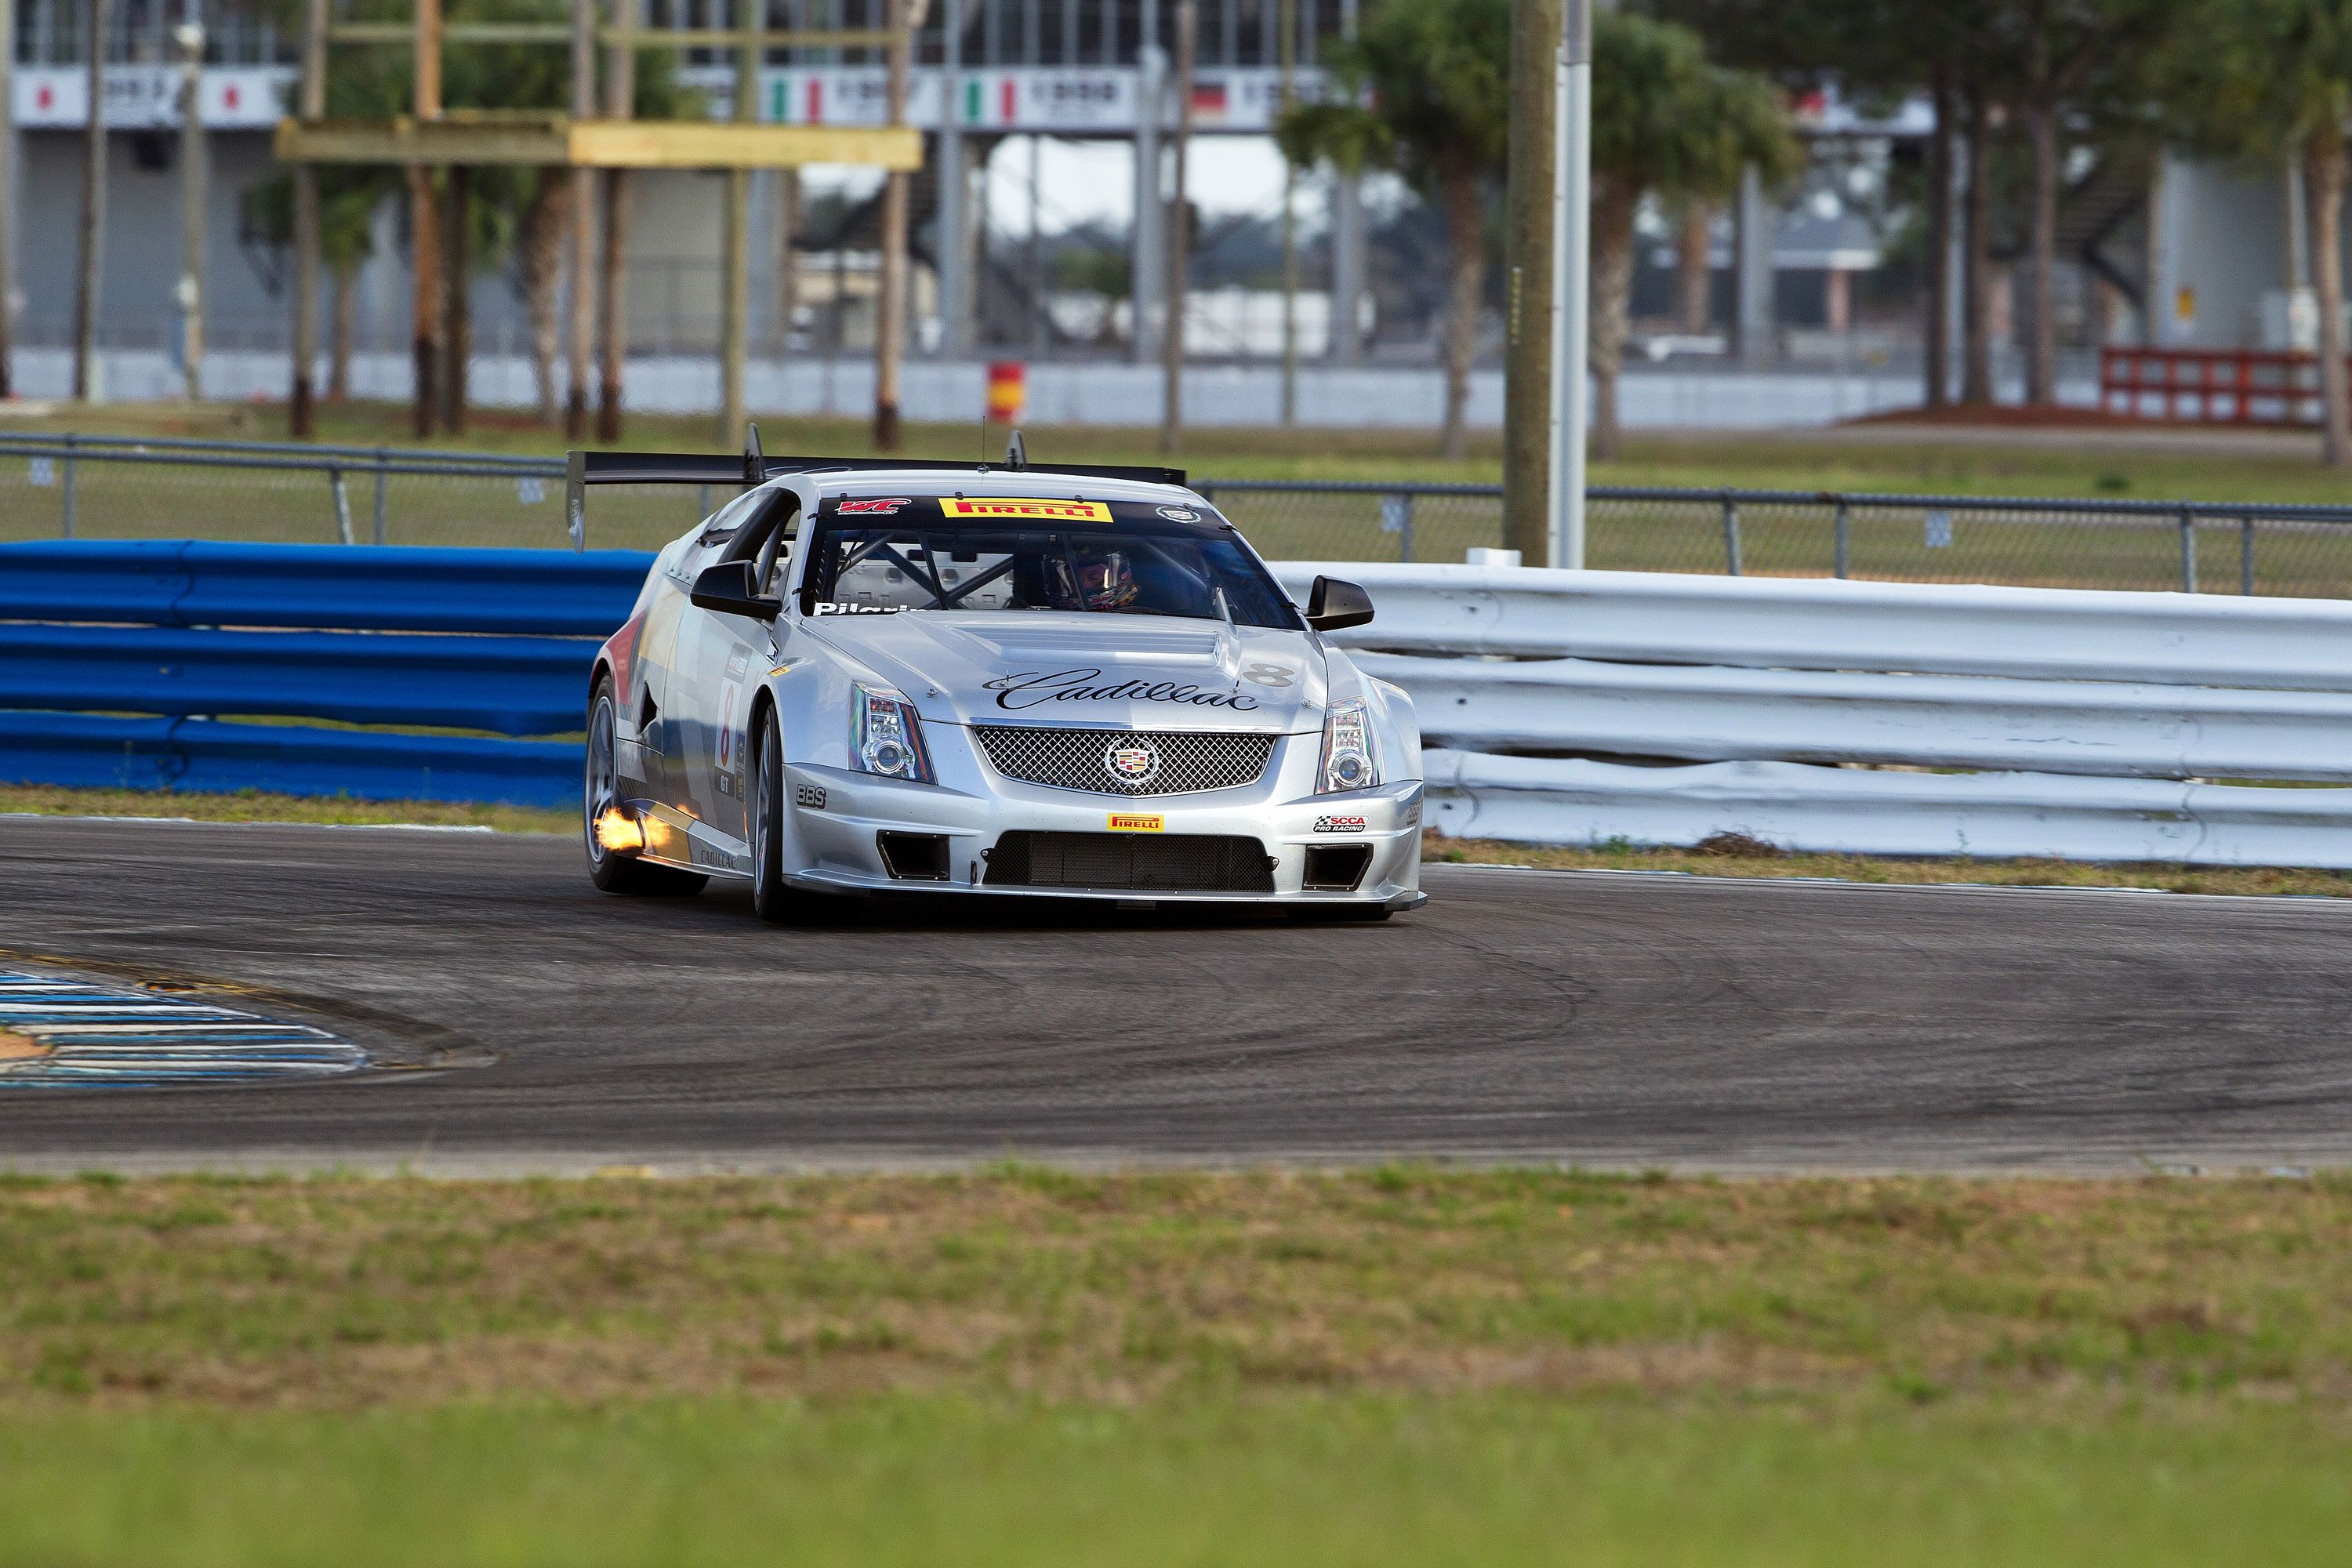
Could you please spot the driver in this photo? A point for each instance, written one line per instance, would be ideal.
(1105, 581)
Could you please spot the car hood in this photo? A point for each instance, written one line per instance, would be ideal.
(1000, 666)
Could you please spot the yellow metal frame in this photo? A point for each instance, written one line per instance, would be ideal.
(558, 140)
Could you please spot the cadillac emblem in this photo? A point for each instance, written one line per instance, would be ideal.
(1131, 763)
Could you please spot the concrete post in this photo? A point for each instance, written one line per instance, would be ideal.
(1752, 308)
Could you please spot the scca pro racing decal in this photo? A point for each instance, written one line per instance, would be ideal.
(1030, 688)
(827, 607)
(873, 506)
(1338, 824)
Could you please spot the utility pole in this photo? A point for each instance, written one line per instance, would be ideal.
(620, 103)
(87, 376)
(457, 299)
(1346, 241)
(788, 268)
(1286, 57)
(190, 36)
(735, 306)
(425, 228)
(1037, 257)
(7, 194)
(890, 306)
(1146, 257)
(955, 192)
(302, 411)
(1532, 203)
(1572, 274)
(1180, 236)
(582, 322)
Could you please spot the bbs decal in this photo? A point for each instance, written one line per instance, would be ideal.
(1268, 674)
(827, 607)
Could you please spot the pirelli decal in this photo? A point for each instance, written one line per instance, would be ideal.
(1137, 822)
(1017, 508)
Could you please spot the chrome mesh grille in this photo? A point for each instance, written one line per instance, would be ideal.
(1075, 758)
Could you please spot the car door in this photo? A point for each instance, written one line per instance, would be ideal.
(728, 658)
(665, 700)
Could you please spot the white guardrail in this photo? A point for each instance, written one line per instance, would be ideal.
(1576, 707)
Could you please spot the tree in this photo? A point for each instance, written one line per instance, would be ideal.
(1421, 90)
(2264, 81)
(348, 196)
(1666, 124)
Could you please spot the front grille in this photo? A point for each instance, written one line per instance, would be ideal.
(1184, 762)
(1140, 862)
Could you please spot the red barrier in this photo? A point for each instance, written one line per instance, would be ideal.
(2221, 386)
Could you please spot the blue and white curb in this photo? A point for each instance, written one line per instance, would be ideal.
(65, 1034)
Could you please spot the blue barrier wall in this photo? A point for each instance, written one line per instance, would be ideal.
(117, 659)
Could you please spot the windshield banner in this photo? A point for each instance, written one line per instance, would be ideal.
(1007, 506)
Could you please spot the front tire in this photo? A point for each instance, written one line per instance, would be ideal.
(617, 870)
(777, 900)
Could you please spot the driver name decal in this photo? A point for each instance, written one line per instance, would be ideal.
(1017, 506)
(1032, 688)
(827, 607)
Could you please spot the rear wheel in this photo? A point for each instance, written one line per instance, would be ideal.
(617, 870)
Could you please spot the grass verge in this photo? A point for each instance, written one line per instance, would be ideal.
(1726, 856)
(1814, 461)
(1024, 1366)
(1736, 855)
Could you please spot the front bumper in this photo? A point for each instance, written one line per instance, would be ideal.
(973, 806)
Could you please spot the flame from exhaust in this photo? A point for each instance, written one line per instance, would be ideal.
(618, 831)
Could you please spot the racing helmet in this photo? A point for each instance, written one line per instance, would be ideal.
(1104, 579)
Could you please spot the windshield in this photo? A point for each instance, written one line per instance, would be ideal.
(880, 555)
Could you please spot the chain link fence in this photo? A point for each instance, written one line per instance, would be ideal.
(104, 488)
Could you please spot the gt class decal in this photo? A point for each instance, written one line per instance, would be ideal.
(1137, 822)
(827, 607)
(1016, 507)
(1032, 688)
(1338, 824)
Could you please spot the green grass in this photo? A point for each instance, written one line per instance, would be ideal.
(1291, 1482)
(1405, 1365)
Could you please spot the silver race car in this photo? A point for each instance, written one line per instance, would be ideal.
(860, 677)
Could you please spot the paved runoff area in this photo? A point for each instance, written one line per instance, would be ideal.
(465, 1002)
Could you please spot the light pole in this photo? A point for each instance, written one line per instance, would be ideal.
(1571, 279)
(190, 36)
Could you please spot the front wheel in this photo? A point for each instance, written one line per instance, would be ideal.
(777, 900)
(617, 870)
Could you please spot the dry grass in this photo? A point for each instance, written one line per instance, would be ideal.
(1733, 856)
(254, 805)
(344, 1293)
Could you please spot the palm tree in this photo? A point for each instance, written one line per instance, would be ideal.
(1422, 88)
(2266, 81)
(1665, 125)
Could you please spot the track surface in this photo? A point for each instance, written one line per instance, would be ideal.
(1607, 1019)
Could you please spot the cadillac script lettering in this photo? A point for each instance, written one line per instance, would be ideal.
(1032, 688)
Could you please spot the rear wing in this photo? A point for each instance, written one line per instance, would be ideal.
(754, 467)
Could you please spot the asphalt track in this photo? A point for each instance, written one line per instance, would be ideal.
(1610, 1020)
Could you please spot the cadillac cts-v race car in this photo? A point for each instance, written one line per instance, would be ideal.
(860, 677)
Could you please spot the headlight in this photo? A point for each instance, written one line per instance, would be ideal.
(885, 736)
(1351, 757)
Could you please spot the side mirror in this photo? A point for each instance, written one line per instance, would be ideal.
(1332, 605)
(732, 588)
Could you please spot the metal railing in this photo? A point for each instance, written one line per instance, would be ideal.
(124, 487)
